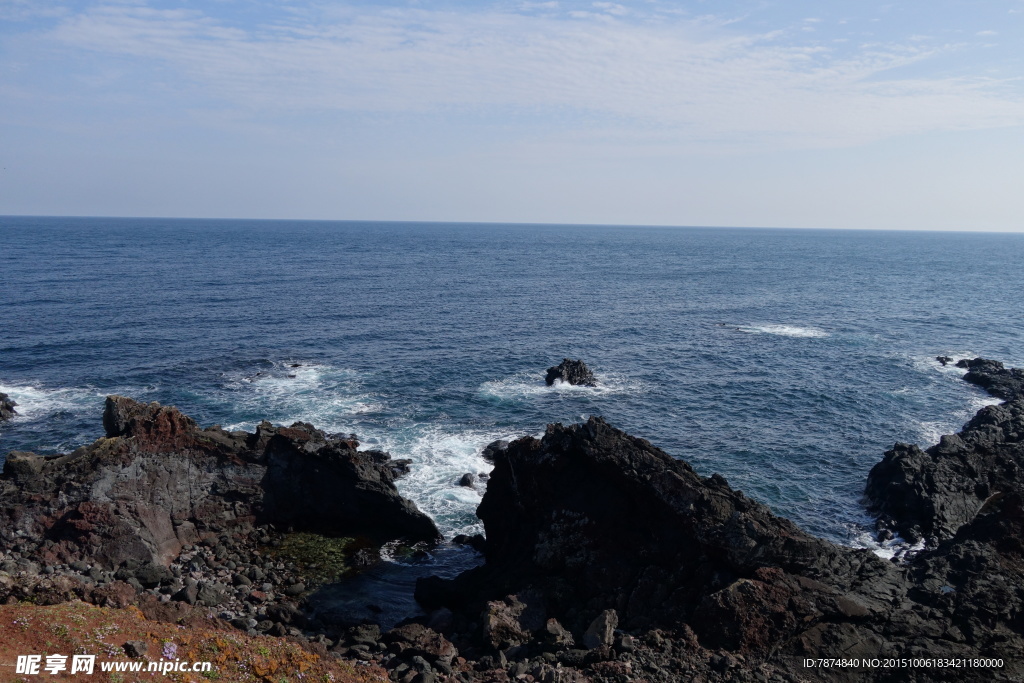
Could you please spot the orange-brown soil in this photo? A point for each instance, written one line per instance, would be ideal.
(79, 628)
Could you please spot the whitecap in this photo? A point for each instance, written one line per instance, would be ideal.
(928, 432)
(931, 363)
(37, 402)
(896, 547)
(784, 330)
(440, 455)
(530, 385)
(326, 396)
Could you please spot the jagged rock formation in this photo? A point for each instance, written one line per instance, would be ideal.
(589, 526)
(158, 482)
(931, 493)
(991, 375)
(572, 372)
(7, 410)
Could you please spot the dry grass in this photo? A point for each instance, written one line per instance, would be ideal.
(79, 628)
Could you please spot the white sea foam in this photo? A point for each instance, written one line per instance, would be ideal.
(930, 363)
(784, 330)
(929, 431)
(441, 455)
(326, 396)
(36, 402)
(530, 385)
(895, 547)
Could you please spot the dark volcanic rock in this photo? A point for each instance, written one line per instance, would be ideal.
(597, 530)
(329, 487)
(571, 371)
(492, 450)
(1001, 382)
(7, 410)
(158, 482)
(592, 519)
(932, 493)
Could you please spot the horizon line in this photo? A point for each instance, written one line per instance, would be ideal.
(668, 226)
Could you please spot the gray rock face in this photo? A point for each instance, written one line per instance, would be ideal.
(594, 519)
(572, 372)
(328, 486)
(158, 482)
(601, 632)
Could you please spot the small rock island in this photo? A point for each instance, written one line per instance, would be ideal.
(571, 371)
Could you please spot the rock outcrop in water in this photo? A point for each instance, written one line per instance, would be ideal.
(7, 410)
(929, 494)
(991, 375)
(571, 372)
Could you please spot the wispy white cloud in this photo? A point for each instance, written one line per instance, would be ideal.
(685, 80)
(25, 10)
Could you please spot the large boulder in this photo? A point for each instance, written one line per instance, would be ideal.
(158, 482)
(571, 372)
(327, 486)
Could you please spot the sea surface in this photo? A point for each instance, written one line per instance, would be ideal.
(786, 360)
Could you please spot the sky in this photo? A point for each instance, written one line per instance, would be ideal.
(847, 114)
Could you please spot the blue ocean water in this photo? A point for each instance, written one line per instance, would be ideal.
(787, 360)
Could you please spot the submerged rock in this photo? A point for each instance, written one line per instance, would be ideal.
(571, 372)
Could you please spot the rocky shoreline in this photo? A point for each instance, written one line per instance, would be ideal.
(605, 559)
